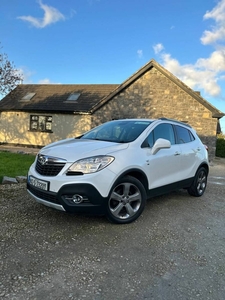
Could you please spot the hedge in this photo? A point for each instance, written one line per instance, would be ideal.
(220, 147)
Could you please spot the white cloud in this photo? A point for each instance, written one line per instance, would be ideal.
(158, 48)
(203, 75)
(215, 63)
(51, 15)
(218, 31)
(45, 81)
(217, 12)
(26, 74)
(206, 73)
(140, 53)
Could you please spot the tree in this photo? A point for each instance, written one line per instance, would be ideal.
(9, 76)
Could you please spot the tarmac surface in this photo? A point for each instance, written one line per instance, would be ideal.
(174, 251)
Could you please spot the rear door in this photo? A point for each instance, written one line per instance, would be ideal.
(190, 148)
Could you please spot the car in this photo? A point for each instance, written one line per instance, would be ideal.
(115, 167)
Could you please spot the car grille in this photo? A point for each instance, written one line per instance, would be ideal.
(49, 169)
(47, 196)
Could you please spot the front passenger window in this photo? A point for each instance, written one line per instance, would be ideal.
(164, 131)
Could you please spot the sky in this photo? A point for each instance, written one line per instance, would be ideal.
(106, 41)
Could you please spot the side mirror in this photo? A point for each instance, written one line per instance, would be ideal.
(160, 144)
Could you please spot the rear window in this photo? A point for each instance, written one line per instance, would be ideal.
(183, 135)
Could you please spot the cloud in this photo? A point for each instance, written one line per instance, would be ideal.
(26, 74)
(45, 81)
(140, 53)
(72, 13)
(51, 15)
(218, 31)
(201, 75)
(158, 48)
(206, 73)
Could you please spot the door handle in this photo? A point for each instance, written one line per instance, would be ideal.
(176, 153)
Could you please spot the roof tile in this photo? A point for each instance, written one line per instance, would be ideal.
(53, 97)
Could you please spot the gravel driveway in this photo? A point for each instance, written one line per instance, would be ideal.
(175, 250)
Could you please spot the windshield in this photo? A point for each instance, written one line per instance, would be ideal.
(121, 131)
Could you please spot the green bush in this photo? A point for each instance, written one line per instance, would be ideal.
(220, 147)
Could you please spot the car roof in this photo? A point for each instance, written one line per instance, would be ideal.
(155, 120)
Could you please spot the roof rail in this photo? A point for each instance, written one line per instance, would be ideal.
(178, 122)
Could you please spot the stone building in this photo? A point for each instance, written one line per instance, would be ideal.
(35, 115)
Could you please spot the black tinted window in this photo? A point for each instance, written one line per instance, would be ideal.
(164, 131)
(184, 135)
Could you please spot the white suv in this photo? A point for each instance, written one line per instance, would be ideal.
(113, 168)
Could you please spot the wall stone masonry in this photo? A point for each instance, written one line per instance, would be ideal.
(153, 95)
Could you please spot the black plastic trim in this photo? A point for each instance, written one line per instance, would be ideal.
(97, 203)
(134, 172)
(183, 184)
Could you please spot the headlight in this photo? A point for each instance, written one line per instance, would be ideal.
(91, 164)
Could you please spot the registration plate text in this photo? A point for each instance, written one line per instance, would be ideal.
(41, 184)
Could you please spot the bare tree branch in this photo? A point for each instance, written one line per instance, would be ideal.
(9, 75)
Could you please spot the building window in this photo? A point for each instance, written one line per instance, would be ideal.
(27, 97)
(41, 123)
(73, 97)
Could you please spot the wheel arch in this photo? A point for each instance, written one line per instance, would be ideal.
(204, 165)
(136, 173)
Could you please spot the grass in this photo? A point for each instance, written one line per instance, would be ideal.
(14, 164)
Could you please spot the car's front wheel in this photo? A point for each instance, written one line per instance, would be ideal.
(126, 200)
(198, 186)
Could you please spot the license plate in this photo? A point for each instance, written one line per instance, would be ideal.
(41, 184)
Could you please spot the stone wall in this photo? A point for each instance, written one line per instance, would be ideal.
(153, 96)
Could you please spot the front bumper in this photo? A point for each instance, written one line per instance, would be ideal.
(63, 200)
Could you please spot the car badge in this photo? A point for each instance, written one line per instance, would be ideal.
(43, 159)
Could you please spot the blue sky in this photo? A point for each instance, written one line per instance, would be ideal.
(106, 41)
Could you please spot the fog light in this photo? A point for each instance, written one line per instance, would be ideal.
(77, 199)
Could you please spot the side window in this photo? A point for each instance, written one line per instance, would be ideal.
(191, 136)
(164, 131)
(184, 135)
(150, 140)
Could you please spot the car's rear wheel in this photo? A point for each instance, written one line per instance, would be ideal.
(198, 186)
(126, 200)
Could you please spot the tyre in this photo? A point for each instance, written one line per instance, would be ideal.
(198, 186)
(126, 201)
